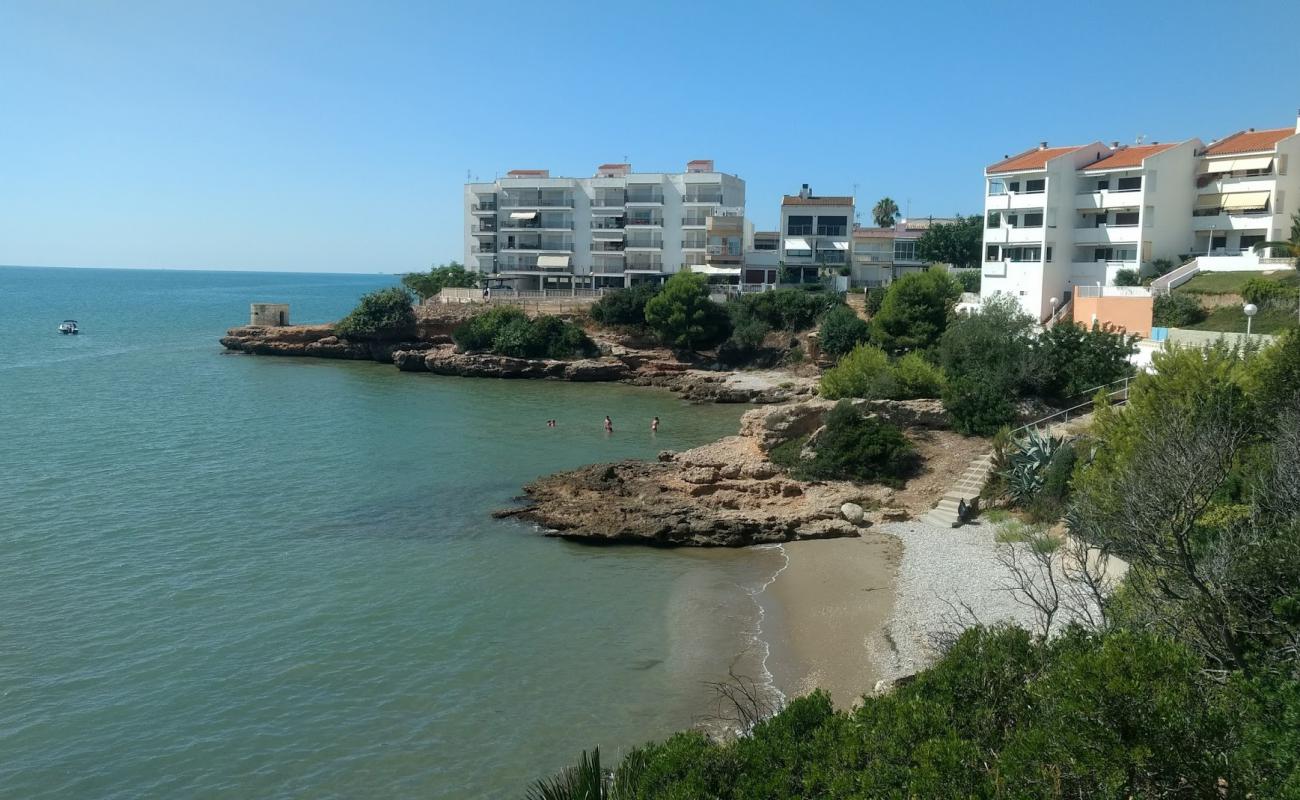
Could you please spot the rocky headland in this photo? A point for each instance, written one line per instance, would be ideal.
(730, 494)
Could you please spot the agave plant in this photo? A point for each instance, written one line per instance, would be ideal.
(1027, 464)
(587, 781)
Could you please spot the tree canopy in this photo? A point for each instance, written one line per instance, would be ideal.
(683, 316)
(956, 243)
(885, 213)
(383, 315)
(915, 311)
(428, 284)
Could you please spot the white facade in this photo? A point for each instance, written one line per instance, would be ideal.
(1059, 218)
(615, 229)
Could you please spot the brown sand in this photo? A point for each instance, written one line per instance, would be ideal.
(834, 595)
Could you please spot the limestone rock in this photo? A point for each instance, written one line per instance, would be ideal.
(853, 513)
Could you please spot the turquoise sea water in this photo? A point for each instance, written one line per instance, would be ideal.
(232, 576)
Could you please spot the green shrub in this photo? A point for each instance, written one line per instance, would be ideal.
(841, 330)
(684, 317)
(1127, 277)
(783, 309)
(979, 404)
(1267, 293)
(624, 306)
(745, 343)
(1176, 311)
(917, 377)
(859, 448)
(874, 299)
(864, 372)
(968, 278)
(1068, 359)
(383, 315)
(1163, 266)
(915, 311)
(507, 331)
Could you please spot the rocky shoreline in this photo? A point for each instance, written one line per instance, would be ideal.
(433, 352)
(730, 494)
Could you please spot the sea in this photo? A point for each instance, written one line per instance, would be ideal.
(231, 576)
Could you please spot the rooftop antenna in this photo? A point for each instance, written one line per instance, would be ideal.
(1141, 136)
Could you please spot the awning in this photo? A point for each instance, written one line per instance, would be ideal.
(523, 215)
(1258, 162)
(704, 269)
(797, 244)
(1209, 201)
(1215, 167)
(1240, 200)
(548, 262)
(823, 245)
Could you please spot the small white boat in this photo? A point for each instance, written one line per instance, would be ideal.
(69, 326)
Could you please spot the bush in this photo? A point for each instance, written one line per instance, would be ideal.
(507, 331)
(917, 377)
(624, 306)
(979, 404)
(745, 343)
(968, 278)
(874, 299)
(1163, 266)
(858, 448)
(841, 331)
(683, 316)
(783, 309)
(1127, 277)
(864, 372)
(1176, 311)
(1267, 293)
(383, 315)
(1048, 505)
(1069, 359)
(915, 311)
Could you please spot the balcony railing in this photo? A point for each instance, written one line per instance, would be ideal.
(608, 224)
(697, 222)
(607, 247)
(832, 230)
(609, 201)
(483, 249)
(645, 221)
(645, 197)
(799, 230)
(482, 228)
(535, 225)
(536, 201)
(484, 207)
(702, 198)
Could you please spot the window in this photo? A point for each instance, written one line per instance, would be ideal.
(991, 253)
(1033, 219)
(1126, 217)
(997, 186)
(1013, 220)
(1219, 242)
(1018, 254)
(1149, 217)
(904, 250)
(995, 219)
(832, 226)
(1114, 254)
(799, 226)
(1250, 240)
(1035, 186)
(1129, 184)
(1048, 255)
(1103, 184)
(1013, 186)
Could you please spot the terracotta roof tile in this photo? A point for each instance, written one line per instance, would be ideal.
(1249, 141)
(1031, 159)
(1128, 157)
(796, 200)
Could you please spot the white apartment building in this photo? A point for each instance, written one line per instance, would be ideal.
(532, 231)
(816, 232)
(882, 255)
(1056, 218)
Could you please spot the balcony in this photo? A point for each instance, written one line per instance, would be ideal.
(694, 222)
(540, 246)
(644, 244)
(487, 248)
(799, 230)
(1107, 234)
(703, 198)
(607, 268)
(644, 198)
(608, 247)
(644, 263)
(483, 229)
(832, 230)
(1022, 233)
(645, 222)
(535, 225)
(1108, 200)
(1232, 221)
(608, 201)
(484, 208)
(536, 202)
(1013, 201)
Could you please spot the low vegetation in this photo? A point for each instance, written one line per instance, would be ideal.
(1176, 311)
(869, 373)
(841, 330)
(508, 331)
(683, 316)
(851, 446)
(383, 315)
(915, 311)
(624, 307)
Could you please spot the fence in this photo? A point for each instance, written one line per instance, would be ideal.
(1116, 396)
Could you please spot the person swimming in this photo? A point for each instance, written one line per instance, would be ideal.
(654, 425)
(609, 424)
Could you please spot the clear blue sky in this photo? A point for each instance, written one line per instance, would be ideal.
(336, 136)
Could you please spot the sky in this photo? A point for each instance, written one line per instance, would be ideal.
(336, 137)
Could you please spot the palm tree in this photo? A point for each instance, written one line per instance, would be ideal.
(1286, 249)
(588, 781)
(885, 213)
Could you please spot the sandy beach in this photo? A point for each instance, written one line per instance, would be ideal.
(833, 597)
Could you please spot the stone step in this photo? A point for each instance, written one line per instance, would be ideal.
(966, 488)
(940, 520)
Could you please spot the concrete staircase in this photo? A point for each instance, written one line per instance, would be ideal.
(966, 488)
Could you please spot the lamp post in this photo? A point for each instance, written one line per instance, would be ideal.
(1250, 309)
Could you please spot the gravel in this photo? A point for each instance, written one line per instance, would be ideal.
(943, 572)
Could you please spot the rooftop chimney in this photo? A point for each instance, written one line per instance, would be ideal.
(700, 165)
(805, 192)
(1114, 145)
(1042, 145)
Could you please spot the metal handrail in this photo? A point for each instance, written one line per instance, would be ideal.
(1065, 413)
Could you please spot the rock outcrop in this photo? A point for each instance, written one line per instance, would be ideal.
(772, 426)
(317, 341)
(446, 361)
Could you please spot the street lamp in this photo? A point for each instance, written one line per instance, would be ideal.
(1250, 309)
